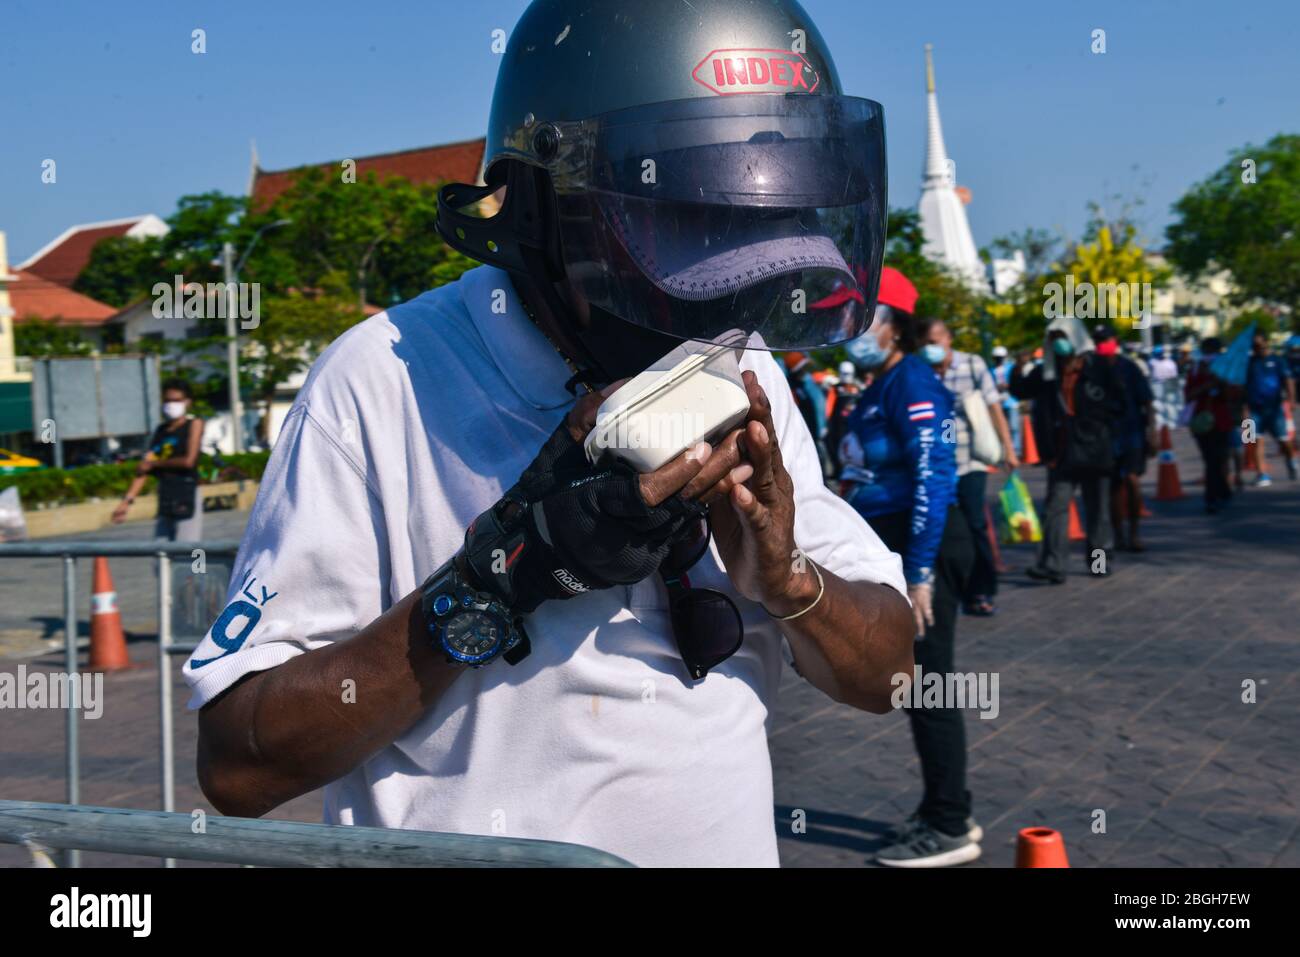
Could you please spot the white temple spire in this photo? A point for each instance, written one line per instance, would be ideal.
(936, 157)
(943, 215)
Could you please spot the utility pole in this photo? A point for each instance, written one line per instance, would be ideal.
(232, 270)
(232, 347)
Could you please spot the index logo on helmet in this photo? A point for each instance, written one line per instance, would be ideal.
(727, 72)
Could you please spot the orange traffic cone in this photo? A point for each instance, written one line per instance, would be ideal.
(998, 564)
(1076, 527)
(107, 640)
(1168, 487)
(1040, 847)
(1029, 454)
(1254, 461)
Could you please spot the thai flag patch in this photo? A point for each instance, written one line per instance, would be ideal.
(917, 411)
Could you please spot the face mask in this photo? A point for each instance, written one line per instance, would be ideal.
(866, 352)
(1063, 347)
(173, 410)
(934, 354)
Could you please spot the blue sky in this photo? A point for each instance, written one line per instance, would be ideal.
(1037, 124)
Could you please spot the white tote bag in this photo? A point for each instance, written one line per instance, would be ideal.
(985, 446)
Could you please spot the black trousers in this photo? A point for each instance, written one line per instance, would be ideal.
(939, 734)
(1053, 554)
(971, 489)
(1215, 450)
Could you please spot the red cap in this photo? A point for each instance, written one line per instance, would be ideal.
(896, 290)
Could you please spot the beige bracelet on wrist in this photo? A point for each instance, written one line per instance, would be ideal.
(821, 590)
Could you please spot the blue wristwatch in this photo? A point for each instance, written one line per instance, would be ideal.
(471, 626)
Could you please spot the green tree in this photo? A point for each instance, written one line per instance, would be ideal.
(377, 237)
(44, 338)
(120, 268)
(1264, 321)
(1109, 253)
(1112, 256)
(295, 328)
(123, 270)
(1245, 217)
(1041, 248)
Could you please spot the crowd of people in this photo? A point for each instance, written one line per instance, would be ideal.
(910, 428)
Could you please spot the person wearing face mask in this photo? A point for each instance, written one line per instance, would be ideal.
(965, 374)
(1076, 396)
(900, 473)
(172, 458)
(1134, 440)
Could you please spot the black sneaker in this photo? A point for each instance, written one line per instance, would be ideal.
(900, 831)
(925, 847)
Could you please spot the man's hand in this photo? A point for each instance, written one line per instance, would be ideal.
(922, 598)
(753, 518)
(859, 634)
(568, 527)
(694, 473)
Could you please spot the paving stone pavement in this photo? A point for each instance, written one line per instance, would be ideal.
(1122, 695)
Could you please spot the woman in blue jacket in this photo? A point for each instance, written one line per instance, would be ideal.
(900, 473)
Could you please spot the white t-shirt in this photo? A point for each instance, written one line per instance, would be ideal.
(1163, 369)
(409, 426)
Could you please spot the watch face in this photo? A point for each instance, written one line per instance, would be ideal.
(474, 635)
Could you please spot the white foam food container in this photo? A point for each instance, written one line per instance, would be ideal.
(693, 394)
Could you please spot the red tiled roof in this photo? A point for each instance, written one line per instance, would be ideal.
(64, 262)
(35, 297)
(453, 162)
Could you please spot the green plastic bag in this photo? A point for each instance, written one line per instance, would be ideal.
(1018, 521)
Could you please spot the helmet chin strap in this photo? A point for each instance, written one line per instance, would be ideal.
(523, 239)
(604, 348)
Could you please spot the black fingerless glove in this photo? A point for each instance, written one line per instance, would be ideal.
(567, 527)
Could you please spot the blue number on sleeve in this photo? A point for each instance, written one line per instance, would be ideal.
(231, 643)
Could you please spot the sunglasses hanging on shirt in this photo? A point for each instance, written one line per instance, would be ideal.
(706, 623)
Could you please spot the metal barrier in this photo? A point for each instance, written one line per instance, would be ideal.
(162, 551)
(236, 840)
(74, 827)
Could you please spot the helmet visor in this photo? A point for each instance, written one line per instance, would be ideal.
(753, 212)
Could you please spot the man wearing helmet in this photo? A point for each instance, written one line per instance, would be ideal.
(671, 173)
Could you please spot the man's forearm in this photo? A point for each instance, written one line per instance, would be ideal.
(853, 643)
(1003, 430)
(171, 465)
(284, 732)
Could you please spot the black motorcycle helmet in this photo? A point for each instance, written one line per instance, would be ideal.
(688, 169)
